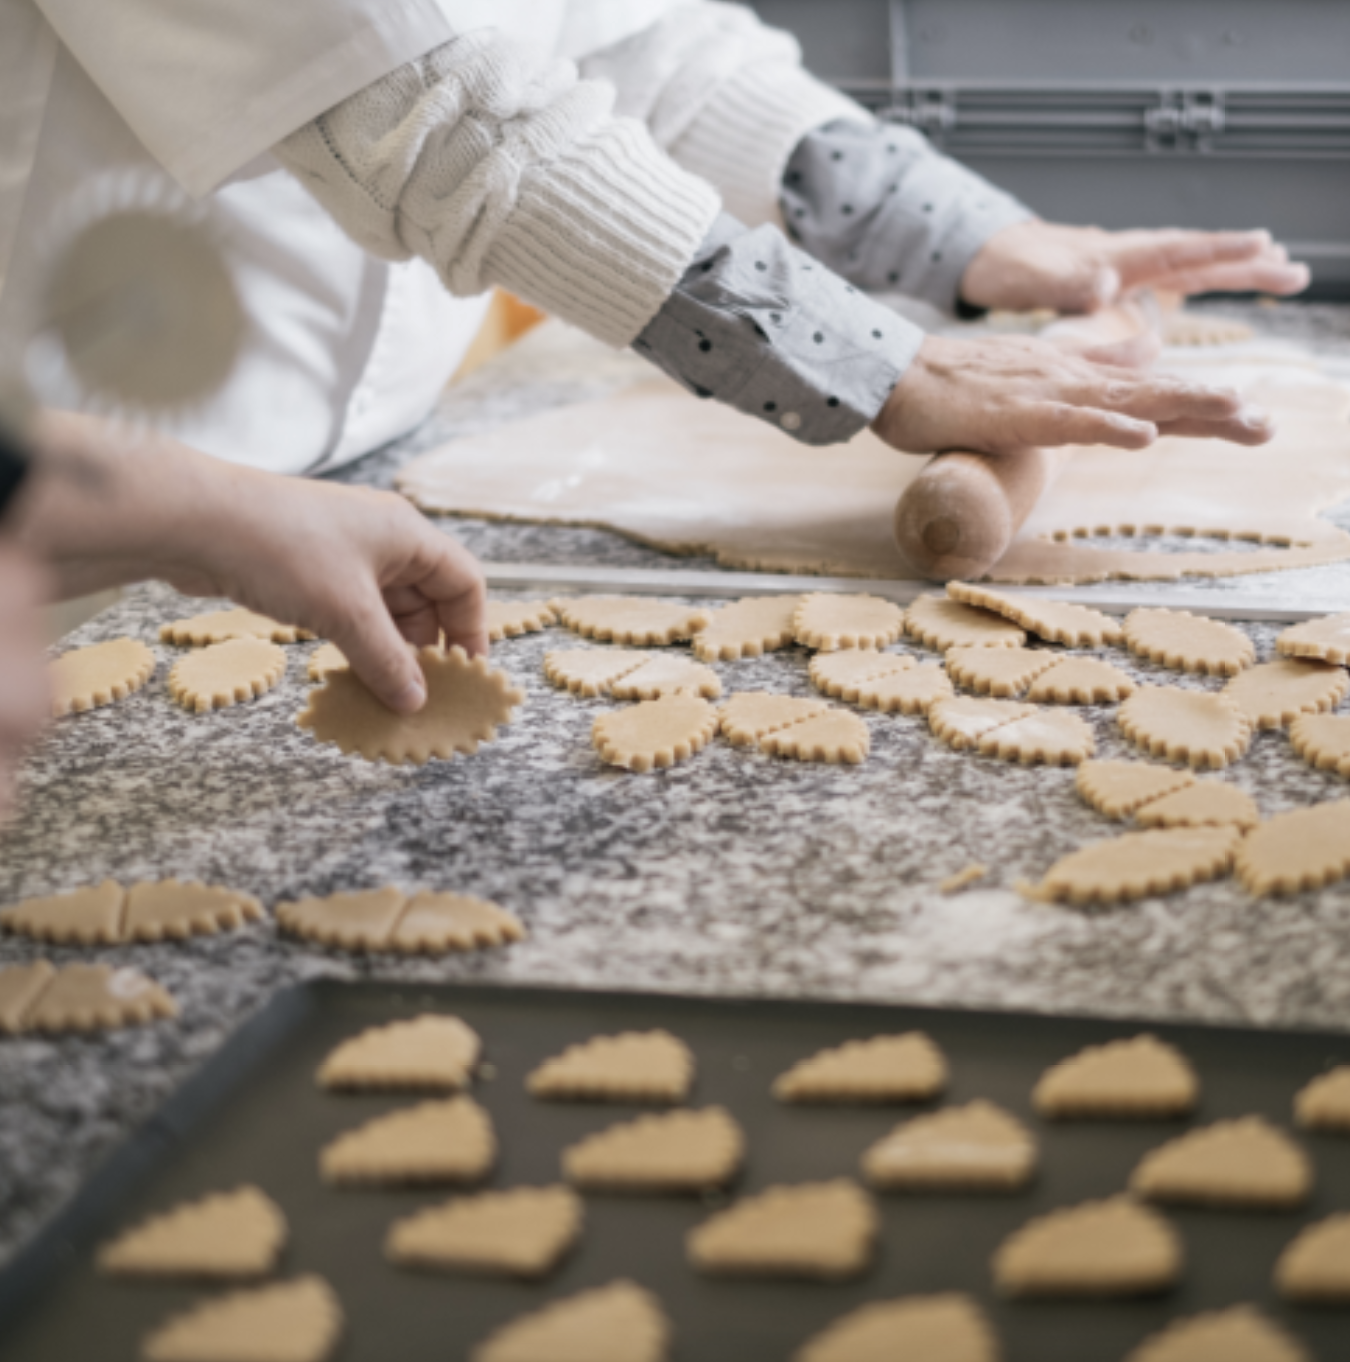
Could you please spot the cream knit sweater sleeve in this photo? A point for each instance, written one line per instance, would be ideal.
(498, 165)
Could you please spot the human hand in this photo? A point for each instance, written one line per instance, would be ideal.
(1081, 269)
(1001, 394)
(25, 699)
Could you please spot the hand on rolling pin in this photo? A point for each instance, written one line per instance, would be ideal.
(24, 696)
(1081, 269)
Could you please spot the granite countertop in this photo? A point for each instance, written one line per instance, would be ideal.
(731, 873)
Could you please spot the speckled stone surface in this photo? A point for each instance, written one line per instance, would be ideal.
(731, 873)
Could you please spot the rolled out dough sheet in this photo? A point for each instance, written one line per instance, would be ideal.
(666, 469)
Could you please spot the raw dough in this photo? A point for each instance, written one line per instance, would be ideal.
(466, 701)
(1324, 1104)
(1098, 1248)
(978, 1147)
(1239, 1334)
(1189, 726)
(1191, 328)
(961, 722)
(1246, 1162)
(449, 1141)
(523, 1232)
(1045, 738)
(912, 691)
(219, 626)
(389, 919)
(89, 916)
(227, 1234)
(1210, 803)
(82, 998)
(823, 1230)
(620, 1322)
(98, 675)
(427, 1053)
(589, 672)
(1140, 1078)
(358, 921)
(630, 619)
(1304, 849)
(1001, 672)
(1054, 621)
(1081, 681)
(20, 987)
(678, 1151)
(1139, 864)
(655, 733)
(511, 619)
(836, 737)
(226, 674)
(634, 1066)
(903, 1068)
(1323, 741)
(947, 1328)
(667, 676)
(295, 1321)
(1275, 693)
(841, 674)
(1327, 639)
(749, 716)
(938, 622)
(963, 879)
(1118, 788)
(1314, 1268)
(747, 628)
(327, 657)
(1192, 643)
(829, 622)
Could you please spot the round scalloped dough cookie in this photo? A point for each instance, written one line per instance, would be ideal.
(747, 628)
(1303, 849)
(1139, 864)
(1275, 693)
(1190, 726)
(829, 622)
(512, 619)
(1192, 643)
(630, 619)
(89, 678)
(940, 623)
(1239, 1334)
(226, 674)
(1326, 639)
(1323, 741)
(220, 626)
(655, 733)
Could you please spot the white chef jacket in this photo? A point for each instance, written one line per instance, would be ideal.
(105, 103)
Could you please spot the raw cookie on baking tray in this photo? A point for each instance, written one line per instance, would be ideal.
(1314, 1268)
(1239, 1334)
(975, 1148)
(944, 1328)
(434, 1142)
(430, 1053)
(676, 1151)
(634, 1066)
(1324, 1102)
(1139, 1078)
(903, 1068)
(620, 1322)
(1245, 1162)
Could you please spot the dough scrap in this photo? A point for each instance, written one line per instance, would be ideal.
(1081, 681)
(1055, 621)
(835, 737)
(328, 657)
(432, 1052)
(88, 916)
(940, 623)
(1327, 639)
(963, 879)
(226, 1234)
(1190, 328)
(634, 1066)
(978, 1147)
(90, 677)
(630, 619)
(447, 1141)
(620, 1322)
(1239, 1334)
(1194, 727)
(389, 919)
(1304, 849)
(1210, 803)
(660, 676)
(20, 988)
(220, 626)
(589, 672)
(1324, 1102)
(912, 691)
(466, 701)
(903, 1068)
(824, 1230)
(1245, 1162)
(1187, 642)
(1315, 1266)
(829, 622)
(295, 1321)
(1044, 738)
(962, 721)
(1275, 693)
(1119, 788)
(1000, 672)
(1139, 864)
(1140, 1078)
(677, 1151)
(226, 674)
(511, 619)
(96, 997)
(1098, 1248)
(655, 733)
(172, 909)
(751, 715)
(842, 673)
(945, 1328)
(1323, 741)
(522, 1232)
(747, 628)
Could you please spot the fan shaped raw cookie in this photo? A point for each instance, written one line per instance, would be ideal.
(94, 997)
(620, 1322)
(655, 733)
(824, 1230)
(466, 702)
(90, 677)
(1210, 803)
(1055, 621)
(667, 675)
(589, 672)
(511, 619)
(328, 657)
(1046, 738)
(227, 1234)
(978, 1147)
(912, 691)
(947, 1328)
(295, 1321)
(1327, 639)
(677, 1151)
(1304, 849)
(523, 1232)
(433, 923)
(1323, 741)
(829, 622)
(172, 909)
(1191, 643)
(1239, 1334)
(1276, 693)
(355, 921)
(634, 1066)
(962, 721)
(940, 623)
(1000, 672)
(1324, 1103)
(1098, 1248)
(88, 916)
(1118, 788)
(432, 1052)
(747, 628)
(835, 737)
(1314, 1268)
(749, 716)
(226, 674)
(842, 673)
(903, 1068)
(449, 1141)
(1139, 1078)
(1246, 1162)
(630, 619)
(20, 988)
(220, 626)
(1141, 863)
(1081, 681)
(1190, 726)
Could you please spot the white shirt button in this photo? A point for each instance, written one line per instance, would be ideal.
(790, 421)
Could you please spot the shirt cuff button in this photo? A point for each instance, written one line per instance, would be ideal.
(790, 420)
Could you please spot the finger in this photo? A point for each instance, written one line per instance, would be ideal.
(380, 655)
(1167, 253)
(452, 583)
(1258, 276)
(1250, 426)
(1160, 399)
(1045, 424)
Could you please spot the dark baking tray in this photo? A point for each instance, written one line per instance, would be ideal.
(253, 1113)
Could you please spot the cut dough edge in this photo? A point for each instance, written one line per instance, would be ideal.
(390, 933)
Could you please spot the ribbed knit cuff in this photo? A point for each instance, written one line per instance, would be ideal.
(601, 236)
(742, 138)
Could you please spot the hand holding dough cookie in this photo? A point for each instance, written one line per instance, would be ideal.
(24, 702)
